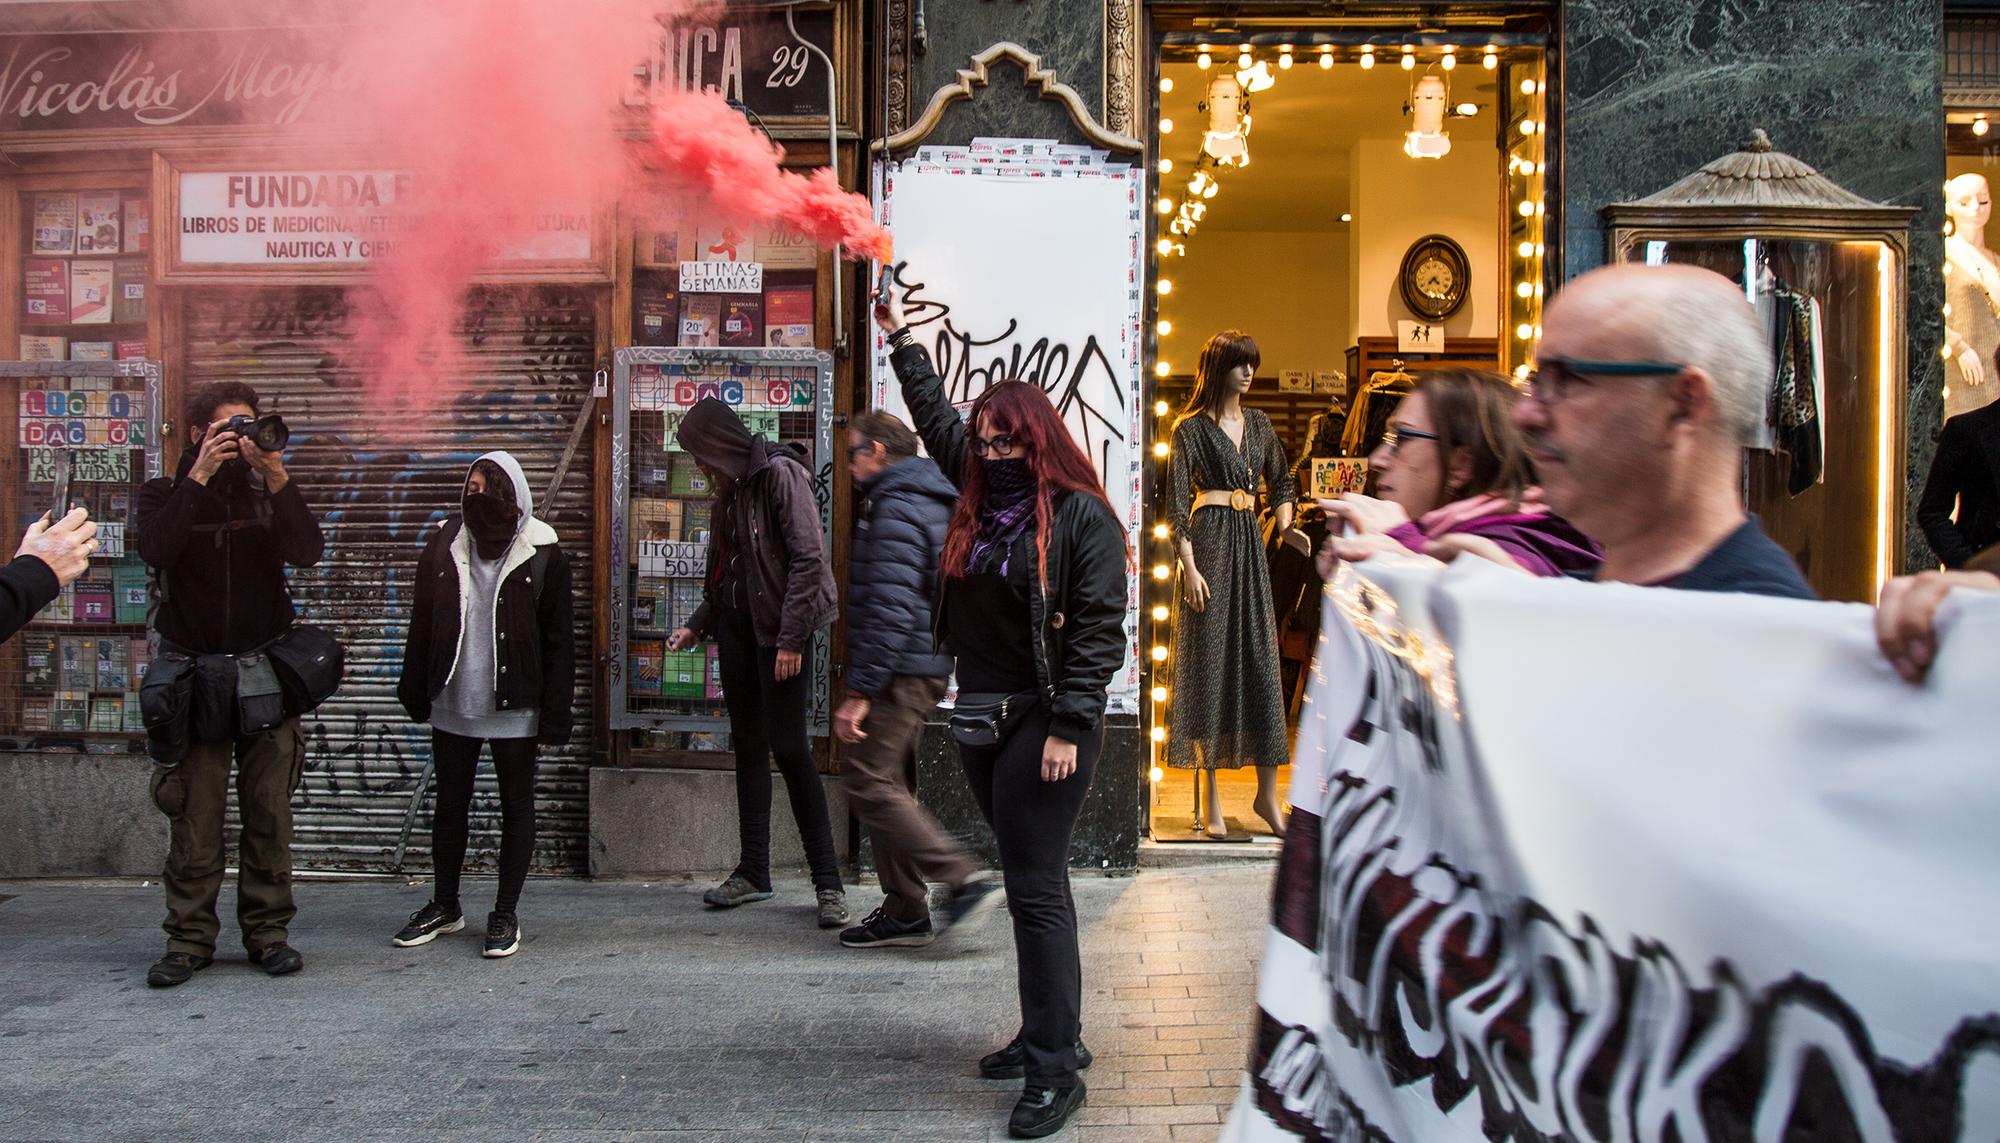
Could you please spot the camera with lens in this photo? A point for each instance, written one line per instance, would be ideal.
(267, 432)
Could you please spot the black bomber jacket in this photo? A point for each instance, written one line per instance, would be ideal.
(1079, 616)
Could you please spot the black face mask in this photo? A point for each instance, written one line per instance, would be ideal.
(1008, 480)
(492, 522)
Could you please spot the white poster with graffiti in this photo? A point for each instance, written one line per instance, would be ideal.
(1021, 259)
(1586, 862)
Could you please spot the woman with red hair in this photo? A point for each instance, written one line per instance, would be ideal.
(1032, 602)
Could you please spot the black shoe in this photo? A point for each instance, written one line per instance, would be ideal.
(1011, 1062)
(1043, 1110)
(832, 908)
(880, 931)
(734, 891)
(175, 968)
(428, 924)
(278, 959)
(503, 934)
(973, 900)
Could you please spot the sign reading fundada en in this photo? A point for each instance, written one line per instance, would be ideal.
(307, 217)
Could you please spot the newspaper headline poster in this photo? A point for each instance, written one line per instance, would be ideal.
(1022, 259)
(1594, 862)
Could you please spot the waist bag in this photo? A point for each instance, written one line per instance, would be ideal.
(987, 719)
(166, 700)
(310, 664)
(260, 701)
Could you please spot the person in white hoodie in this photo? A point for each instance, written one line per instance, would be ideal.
(490, 658)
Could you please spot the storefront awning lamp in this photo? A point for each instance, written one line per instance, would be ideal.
(1257, 78)
(1426, 138)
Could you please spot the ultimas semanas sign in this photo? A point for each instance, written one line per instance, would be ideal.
(247, 218)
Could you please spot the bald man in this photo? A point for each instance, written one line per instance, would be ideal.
(1649, 382)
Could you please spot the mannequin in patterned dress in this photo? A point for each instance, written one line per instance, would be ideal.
(1228, 696)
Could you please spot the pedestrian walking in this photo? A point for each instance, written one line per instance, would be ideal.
(1452, 474)
(895, 678)
(769, 588)
(490, 660)
(218, 536)
(1033, 607)
(1960, 507)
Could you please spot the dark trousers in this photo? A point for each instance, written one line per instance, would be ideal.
(881, 782)
(767, 719)
(194, 795)
(1033, 821)
(457, 760)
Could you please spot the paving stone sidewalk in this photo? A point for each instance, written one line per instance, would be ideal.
(631, 1013)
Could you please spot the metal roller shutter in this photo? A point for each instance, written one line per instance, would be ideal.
(379, 479)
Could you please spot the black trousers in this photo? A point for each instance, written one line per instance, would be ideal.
(1033, 821)
(457, 760)
(767, 719)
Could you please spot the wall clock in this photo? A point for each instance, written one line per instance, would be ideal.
(1435, 277)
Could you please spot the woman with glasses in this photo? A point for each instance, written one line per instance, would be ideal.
(1032, 604)
(1229, 709)
(1453, 476)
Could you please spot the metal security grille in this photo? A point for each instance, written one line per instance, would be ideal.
(1971, 56)
(380, 479)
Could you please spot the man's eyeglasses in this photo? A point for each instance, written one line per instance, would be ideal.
(1397, 437)
(1002, 445)
(1556, 378)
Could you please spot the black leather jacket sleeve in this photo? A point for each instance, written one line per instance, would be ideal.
(554, 615)
(1941, 488)
(938, 425)
(26, 586)
(1093, 607)
(413, 690)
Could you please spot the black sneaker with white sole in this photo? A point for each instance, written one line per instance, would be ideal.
(428, 924)
(971, 901)
(880, 931)
(503, 934)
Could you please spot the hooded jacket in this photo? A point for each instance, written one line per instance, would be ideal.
(892, 575)
(1079, 615)
(533, 648)
(766, 509)
(220, 550)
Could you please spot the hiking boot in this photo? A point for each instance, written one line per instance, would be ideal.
(735, 890)
(503, 935)
(880, 931)
(176, 968)
(1043, 1110)
(278, 959)
(971, 901)
(428, 924)
(1011, 1062)
(832, 908)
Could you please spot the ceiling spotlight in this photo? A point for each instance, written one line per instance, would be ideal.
(1490, 61)
(1467, 110)
(1409, 62)
(1166, 85)
(1203, 61)
(1243, 62)
(1285, 61)
(1166, 126)
(1367, 60)
(1326, 61)
(1449, 61)
(1347, 218)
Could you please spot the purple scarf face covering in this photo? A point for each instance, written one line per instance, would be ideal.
(1010, 504)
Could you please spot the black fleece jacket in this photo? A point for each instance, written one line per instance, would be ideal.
(1079, 616)
(221, 551)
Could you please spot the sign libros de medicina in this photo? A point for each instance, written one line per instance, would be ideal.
(295, 217)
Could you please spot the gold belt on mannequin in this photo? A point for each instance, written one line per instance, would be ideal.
(1234, 498)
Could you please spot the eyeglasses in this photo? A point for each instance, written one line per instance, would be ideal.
(1396, 438)
(1555, 378)
(1002, 445)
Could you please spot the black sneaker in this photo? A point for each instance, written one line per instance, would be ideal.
(735, 890)
(1011, 1062)
(973, 900)
(278, 959)
(832, 908)
(428, 924)
(880, 931)
(175, 968)
(1043, 1110)
(503, 934)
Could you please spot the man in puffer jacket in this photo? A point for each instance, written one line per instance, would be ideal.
(895, 678)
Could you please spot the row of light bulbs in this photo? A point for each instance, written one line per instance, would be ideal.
(1246, 58)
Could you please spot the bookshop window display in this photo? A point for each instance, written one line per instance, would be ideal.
(661, 516)
(70, 680)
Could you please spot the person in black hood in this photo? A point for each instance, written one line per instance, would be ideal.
(490, 658)
(218, 536)
(769, 588)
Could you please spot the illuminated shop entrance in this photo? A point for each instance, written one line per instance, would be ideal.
(1365, 203)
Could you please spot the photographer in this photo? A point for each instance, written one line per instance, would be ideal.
(218, 535)
(53, 555)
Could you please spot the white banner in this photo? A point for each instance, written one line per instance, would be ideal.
(1020, 259)
(307, 217)
(1588, 862)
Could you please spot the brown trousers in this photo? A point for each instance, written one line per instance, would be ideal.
(881, 782)
(194, 796)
